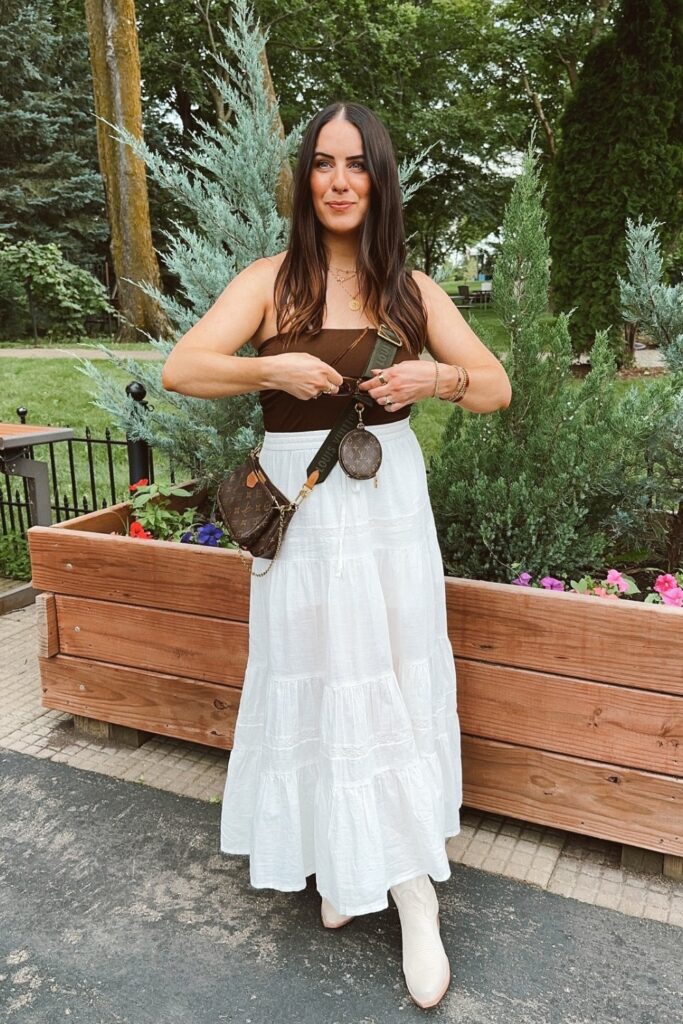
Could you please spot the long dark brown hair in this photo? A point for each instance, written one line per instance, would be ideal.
(387, 291)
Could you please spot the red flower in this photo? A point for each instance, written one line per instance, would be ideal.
(137, 530)
(141, 483)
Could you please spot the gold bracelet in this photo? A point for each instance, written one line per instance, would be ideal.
(436, 379)
(461, 386)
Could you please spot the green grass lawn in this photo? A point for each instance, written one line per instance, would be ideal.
(55, 393)
(76, 342)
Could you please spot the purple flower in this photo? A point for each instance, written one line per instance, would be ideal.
(522, 580)
(550, 583)
(209, 534)
(187, 538)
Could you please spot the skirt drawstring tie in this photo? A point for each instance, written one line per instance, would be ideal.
(355, 487)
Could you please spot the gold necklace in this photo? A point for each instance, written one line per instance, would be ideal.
(353, 299)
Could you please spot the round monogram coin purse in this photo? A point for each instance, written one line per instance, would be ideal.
(360, 453)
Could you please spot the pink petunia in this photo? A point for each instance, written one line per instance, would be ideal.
(665, 582)
(615, 577)
(673, 596)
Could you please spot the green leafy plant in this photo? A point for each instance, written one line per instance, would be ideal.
(15, 562)
(152, 518)
(40, 289)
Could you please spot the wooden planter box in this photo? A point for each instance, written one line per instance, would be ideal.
(571, 708)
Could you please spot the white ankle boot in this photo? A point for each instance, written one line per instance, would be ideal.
(330, 917)
(425, 964)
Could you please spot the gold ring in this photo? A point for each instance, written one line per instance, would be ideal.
(383, 379)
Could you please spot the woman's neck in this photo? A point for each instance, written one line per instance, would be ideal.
(342, 250)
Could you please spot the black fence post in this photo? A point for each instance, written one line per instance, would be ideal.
(138, 451)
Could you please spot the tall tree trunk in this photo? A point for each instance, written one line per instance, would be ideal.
(113, 43)
(183, 108)
(283, 196)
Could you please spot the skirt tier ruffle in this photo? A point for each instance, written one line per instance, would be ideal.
(346, 756)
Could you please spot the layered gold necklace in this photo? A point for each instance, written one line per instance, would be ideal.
(338, 273)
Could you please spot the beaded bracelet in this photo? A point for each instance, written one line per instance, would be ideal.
(462, 387)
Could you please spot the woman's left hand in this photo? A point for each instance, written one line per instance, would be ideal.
(407, 382)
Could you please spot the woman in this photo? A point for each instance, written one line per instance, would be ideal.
(346, 756)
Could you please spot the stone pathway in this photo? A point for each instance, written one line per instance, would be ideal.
(559, 862)
(648, 357)
(70, 353)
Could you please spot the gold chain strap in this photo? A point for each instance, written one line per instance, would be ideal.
(280, 530)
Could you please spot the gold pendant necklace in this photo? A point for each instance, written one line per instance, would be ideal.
(354, 304)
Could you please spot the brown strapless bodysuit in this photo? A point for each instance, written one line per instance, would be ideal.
(283, 412)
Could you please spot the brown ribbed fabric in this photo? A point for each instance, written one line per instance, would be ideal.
(283, 412)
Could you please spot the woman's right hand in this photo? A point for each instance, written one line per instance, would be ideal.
(303, 375)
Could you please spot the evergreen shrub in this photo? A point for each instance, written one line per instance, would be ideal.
(656, 308)
(540, 485)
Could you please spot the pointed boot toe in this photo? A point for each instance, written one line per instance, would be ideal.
(425, 964)
(330, 917)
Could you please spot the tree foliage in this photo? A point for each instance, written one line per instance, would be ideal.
(619, 158)
(50, 188)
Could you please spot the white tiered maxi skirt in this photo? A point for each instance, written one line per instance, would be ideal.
(346, 756)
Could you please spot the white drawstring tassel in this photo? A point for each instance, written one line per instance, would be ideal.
(340, 545)
(355, 485)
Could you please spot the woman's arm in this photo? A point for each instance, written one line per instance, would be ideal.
(451, 341)
(203, 363)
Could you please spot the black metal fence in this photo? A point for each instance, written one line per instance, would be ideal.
(15, 508)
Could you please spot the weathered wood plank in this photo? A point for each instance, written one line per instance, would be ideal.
(46, 623)
(617, 724)
(620, 642)
(621, 804)
(168, 705)
(185, 577)
(153, 639)
(120, 734)
(673, 867)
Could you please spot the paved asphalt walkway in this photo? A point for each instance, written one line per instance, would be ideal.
(647, 357)
(118, 908)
